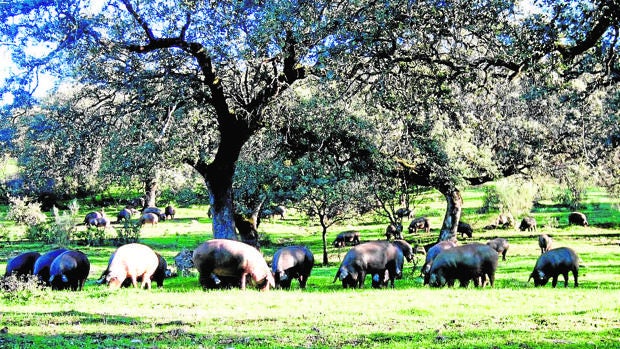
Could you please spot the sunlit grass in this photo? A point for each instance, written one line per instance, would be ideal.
(513, 314)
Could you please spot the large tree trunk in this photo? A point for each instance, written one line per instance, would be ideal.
(219, 174)
(150, 191)
(453, 214)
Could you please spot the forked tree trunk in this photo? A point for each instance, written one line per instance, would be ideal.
(454, 208)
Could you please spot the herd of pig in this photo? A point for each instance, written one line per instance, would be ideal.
(227, 263)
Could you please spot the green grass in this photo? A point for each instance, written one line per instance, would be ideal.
(513, 314)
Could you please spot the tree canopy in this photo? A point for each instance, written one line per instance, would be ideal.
(455, 92)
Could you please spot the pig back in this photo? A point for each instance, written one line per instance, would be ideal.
(134, 259)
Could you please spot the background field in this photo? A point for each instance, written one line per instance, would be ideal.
(513, 314)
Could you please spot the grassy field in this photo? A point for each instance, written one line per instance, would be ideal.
(513, 314)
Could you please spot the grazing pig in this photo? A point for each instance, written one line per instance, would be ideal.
(351, 237)
(22, 264)
(404, 212)
(169, 212)
(419, 223)
(292, 262)
(433, 251)
(134, 261)
(505, 220)
(69, 271)
(42, 265)
(280, 211)
(465, 229)
(101, 222)
(161, 273)
(375, 257)
(464, 263)
(500, 245)
(545, 243)
(91, 218)
(553, 263)
(149, 218)
(528, 223)
(233, 259)
(577, 218)
(155, 210)
(405, 248)
(394, 230)
(125, 215)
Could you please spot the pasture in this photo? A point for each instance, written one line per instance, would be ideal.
(513, 314)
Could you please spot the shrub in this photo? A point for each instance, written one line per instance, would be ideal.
(20, 289)
(129, 233)
(24, 212)
(575, 181)
(510, 195)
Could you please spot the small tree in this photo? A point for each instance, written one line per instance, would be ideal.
(332, 197)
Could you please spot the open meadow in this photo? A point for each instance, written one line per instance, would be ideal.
(512, 314)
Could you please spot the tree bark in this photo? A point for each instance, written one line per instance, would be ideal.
(454, 208)
(150, 191)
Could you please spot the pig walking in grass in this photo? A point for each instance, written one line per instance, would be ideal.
(133, 261)
(292, 262)
(230, 258)
(554, 263)
(69, 271)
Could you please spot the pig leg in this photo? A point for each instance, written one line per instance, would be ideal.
(243, 276)
(359, 282)
(554, 282)
(575, 276)
(565, 275)
(134, 280)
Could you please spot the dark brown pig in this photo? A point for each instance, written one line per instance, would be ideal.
(405, 248)
(500, 245)
(292, 262)
(465, 229)
(372, 258)
(230, 258)
(433, 251)
(133, 261)
(43, 263)
(577, 218)
(69, 271)
(554, 263)
(169, 211)
(91, 218)
(394, 230)
(528, 223)
(125, 215)
(464, 263)
(22, 264)
(350, 237)
(545, 243)
(419, 223)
